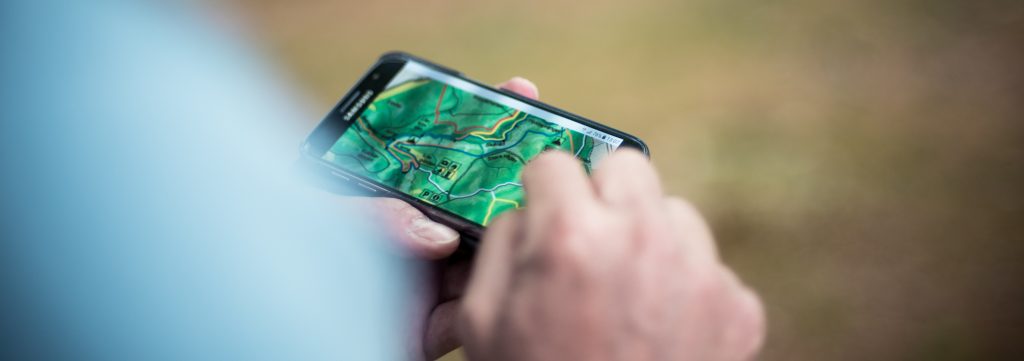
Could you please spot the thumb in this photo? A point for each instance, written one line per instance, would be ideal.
(521, 86)
(415, 234)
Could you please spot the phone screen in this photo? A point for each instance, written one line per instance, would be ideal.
(457, 145)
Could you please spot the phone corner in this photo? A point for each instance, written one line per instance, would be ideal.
(643, 147)
(634, 142)
(395, 55)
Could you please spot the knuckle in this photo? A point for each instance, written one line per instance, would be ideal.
(650, 232)
(564, 223)
(644, 235)
(566, 234)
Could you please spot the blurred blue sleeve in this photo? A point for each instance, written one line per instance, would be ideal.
(147, 211)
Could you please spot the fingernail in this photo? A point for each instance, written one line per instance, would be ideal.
(431, 231)
(529, 84)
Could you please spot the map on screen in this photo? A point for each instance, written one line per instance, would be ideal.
(453, 148)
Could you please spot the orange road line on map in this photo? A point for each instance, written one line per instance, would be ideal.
(437, 108)
(405, 167)
(456, 126)
(494, 128)
(438, 121)
(455, 130)
(498, 123)
(368, 131)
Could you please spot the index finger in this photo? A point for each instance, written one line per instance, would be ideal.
(555, 181)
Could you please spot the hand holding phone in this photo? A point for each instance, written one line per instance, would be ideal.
(455, 150)
(605, 268)
(424, 136)
(416, 234)
(451, 147)
(436, 302)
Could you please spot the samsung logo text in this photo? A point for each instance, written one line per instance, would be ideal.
(358, 105)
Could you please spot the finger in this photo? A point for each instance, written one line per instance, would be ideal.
(490, 278)
(752, 325)
(415, 234)
(454, 276)
(627, 179)
(522, 87)
(440, 337)
(555, 180)
(744, 335)
(558, 197)
(696, 242)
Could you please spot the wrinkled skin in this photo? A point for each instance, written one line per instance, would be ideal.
(598, 268)
(605, 268)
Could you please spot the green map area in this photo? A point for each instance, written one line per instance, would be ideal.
(452, 148)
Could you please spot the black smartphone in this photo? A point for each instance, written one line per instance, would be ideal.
(448, 145)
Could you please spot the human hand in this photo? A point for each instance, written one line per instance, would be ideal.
(440, 281)
(604, 268)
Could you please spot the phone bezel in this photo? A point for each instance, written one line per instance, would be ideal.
(380, 74)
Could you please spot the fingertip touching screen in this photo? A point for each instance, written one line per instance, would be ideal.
(457, 145)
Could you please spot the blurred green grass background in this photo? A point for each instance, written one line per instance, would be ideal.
(861, 162)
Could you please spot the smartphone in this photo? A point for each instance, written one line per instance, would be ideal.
(448, 145)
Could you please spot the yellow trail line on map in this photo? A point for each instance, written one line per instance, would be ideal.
(498, 125)
(490, 209)
(390, 92)
(572, 145)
